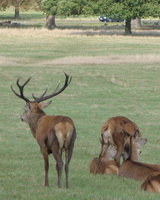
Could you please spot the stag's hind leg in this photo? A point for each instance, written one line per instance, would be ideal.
(44, 152)
(68, 155)
(59, 167)
(57, 153)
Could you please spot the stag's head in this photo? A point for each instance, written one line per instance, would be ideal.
(36, 106)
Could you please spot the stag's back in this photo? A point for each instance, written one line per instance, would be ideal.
(60, 127)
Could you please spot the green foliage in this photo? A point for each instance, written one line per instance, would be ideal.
(128, 9)
(3, 4)
(71, 7)
(50, 6)
(23, 4)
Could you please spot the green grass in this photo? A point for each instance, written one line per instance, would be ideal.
(98, 91)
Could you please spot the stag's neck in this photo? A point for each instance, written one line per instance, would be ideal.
(34, 121)
(133, 153)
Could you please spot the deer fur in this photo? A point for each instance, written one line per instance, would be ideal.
(112, 134)
(133, 169)
(54, 134)
(105, 163)
(152, 183)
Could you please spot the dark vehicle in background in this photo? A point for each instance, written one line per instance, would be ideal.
(107, 18)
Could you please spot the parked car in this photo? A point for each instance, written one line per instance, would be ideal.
(107, 18)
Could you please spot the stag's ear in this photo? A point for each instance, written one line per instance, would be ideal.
(28, 104)
(45, 104)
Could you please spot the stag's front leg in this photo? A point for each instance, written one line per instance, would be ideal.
(46, 164)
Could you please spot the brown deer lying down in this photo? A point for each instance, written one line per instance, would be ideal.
(130, 168)
(105, 163)
(152, 183)
(112, 133)
(54, 134)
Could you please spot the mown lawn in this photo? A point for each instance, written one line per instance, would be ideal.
(112, 75)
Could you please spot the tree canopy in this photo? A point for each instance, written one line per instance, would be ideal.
(20, 4)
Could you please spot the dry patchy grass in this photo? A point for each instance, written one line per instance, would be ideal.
(43, 32)
(86, 60)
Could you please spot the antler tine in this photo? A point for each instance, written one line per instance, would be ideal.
(21, 87)
(67, 82)
(41, 95)
(57, 87)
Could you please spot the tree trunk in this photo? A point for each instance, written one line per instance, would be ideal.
(16, 10)
(128, 27)
(51, 22)
(138, 22)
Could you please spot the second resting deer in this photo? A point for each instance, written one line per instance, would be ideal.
(133, 169)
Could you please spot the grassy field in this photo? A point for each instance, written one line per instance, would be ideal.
(112, 75)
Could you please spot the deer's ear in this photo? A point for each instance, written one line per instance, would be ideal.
(136, 134)
(45, 104)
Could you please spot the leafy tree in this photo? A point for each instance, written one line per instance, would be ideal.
(20, 4)
(50, 8)
(3, 4)
(68, 7)
(130, 9)
(71, 7)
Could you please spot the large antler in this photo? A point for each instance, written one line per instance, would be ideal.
(43, 98)
(21, 87)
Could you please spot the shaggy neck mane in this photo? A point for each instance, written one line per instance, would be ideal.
(34, 119)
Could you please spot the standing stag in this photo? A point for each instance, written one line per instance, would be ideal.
(54, 134)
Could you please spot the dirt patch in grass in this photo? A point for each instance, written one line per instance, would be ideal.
(6, 61)
(85, 60)
(117, 59)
